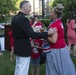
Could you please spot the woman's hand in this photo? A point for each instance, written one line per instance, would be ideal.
(52, 31)
(35, 22)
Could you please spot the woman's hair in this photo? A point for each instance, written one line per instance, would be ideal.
(36, 16)
(58, 10)
(71, 16)
(32, 19)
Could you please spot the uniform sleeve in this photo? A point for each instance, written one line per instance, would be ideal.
(25, 25)
(73, 24)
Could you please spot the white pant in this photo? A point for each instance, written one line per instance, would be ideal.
(22, 65)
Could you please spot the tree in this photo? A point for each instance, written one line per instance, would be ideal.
(17, 2)
(7, 6)
(69, 5)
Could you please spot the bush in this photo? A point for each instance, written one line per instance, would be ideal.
(46, 22)
(69, 5)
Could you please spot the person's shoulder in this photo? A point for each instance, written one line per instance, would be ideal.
(56, 24)
(73, 20)
(10, 33)
(59, 21)
(20, 17)
(40, 22)
(24, 18)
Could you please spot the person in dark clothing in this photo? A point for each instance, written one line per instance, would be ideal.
(22, 32)
(0, 49)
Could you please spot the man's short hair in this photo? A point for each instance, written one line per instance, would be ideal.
(22, 3)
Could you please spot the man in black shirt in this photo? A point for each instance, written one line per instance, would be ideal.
(22, 32)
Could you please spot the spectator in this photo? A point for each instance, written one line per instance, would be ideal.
(31, 21)
(12, 45)
(0, 50)
(71, 35)
(58, 60)
(36, 23)
(35, 57)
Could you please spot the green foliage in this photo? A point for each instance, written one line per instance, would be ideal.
(7, 66)
(17, 3)
(8, 7)
(51, 2)
(69, 5)
(46, 22)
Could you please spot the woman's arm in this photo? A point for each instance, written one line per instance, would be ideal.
(53, 38)
(73, 24)
(67, 22)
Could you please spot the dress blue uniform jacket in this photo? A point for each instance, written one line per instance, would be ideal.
(22, 32)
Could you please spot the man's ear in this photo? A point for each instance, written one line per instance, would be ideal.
(24, 8)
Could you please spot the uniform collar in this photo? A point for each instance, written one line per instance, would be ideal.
(21, 13)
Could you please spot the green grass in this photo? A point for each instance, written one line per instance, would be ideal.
(7, 66)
